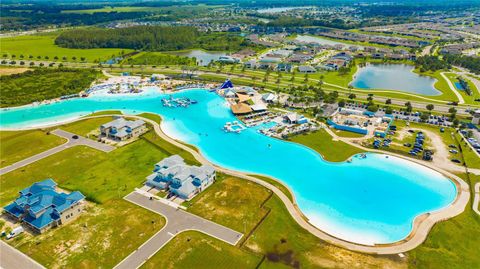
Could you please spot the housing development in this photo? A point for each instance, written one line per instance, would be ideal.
(240, 134)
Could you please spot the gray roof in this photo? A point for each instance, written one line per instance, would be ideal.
(171, 161)
(187, 188)
(121, 123)
(306, 68)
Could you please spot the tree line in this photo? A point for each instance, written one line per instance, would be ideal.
(150, 38)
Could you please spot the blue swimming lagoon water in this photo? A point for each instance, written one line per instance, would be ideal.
(370, 200)
(398, 77)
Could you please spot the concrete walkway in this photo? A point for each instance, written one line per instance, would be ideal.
(453, 88)
(177, 222)
(11, 258)
(71, 142)
(476, 200)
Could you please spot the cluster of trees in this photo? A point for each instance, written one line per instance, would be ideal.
(149, 38)
(431, 63)
(151, 58)
(43, 84)
(469, 62)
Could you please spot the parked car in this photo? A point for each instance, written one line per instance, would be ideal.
(15, 232)
(456, 161)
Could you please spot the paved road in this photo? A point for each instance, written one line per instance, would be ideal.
(70, 143)
(10, 258)
(476, 200)
(177, 221)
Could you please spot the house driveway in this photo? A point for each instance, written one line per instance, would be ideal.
(71, 142)
(177, 222)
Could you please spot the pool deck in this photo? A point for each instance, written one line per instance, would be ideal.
(421, 226)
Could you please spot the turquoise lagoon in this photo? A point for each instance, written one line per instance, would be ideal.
(369, 200)
(398, 77)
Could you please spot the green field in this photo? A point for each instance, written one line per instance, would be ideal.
(44, 45)
(232, 202)
(84, 127)
(322, 142)
(14, 145)
(193, 249)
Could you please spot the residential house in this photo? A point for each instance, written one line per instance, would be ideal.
(180, 179)
(41, 207)
(252, 64)
(269, 98)
(294, 118)
(284, 67)
(122, 129)
(306, 69)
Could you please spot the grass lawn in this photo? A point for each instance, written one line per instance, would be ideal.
(168, 148)
(44, 45)
(451, 244)
(156, 118)
(279, 185)
(233, 202)
(15, 147)
(322, 142)
(193, 249)
(84, 127)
